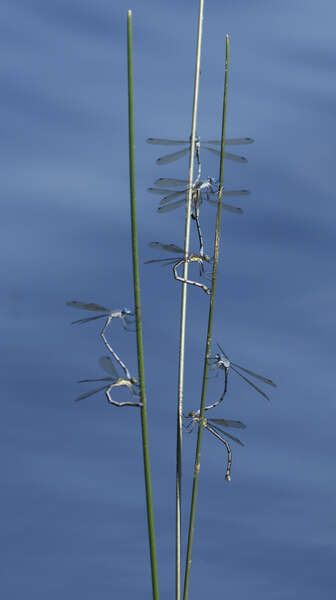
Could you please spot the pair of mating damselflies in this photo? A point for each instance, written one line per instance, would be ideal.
(109, 314)
(221, 361)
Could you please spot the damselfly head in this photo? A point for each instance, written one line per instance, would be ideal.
(126, 311)
(191, 415)
(133, 380)
(206, 258)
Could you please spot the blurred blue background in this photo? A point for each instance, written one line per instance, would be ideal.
(72, 495)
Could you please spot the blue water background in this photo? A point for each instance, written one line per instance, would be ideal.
(72, 494)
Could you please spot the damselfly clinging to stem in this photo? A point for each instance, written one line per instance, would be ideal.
(109, 314)
(216, 431)
(201, 189)
(168, 158)
(116, 381)
(222, 361)
(191, 258)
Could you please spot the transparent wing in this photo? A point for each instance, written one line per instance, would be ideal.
(171, 206)
(228, 155)
(166, 247)
(236, 192)
(228, 207)
(256, 375)
(250, 382)
(228, 423)
(89, 319)
(231, 141)
(222, 351)
(87, 394)
(164, 142)
(99, 379)
(233, 209)
(159, 191)
(172, 196)
(108, 366)
(164, 261)
(163, 160)
(166, 181)
(231, 437)
(86, 306)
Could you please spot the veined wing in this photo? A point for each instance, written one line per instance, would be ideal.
(168, 182)
(228, 207)
(172, 196)
(166, 247)
(171, 206)
(89, 319)
(164, 142)
(87, 306)
(233, 209)
(163, 160)
(231, 437)
(228, 155)
(231, 141)
(108, 366)
(256, 375)
(228, 423)
(236, 192)
(87, 394)
(165, 261)
(159, 191)
(250, 382)
(222, 351)
(98, 379)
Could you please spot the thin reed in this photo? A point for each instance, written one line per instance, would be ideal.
(208, 339)
(183, 316)
(137, 305)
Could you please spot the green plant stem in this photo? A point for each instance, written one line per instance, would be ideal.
(184, 310)
(208, 340)
(137, 304)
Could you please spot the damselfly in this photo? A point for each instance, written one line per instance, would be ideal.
(216, 431)
(163, 160)
(222, 361)
(116, 381)
(109, 313)
(191, 258)
(202, 189)
(206, 188)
